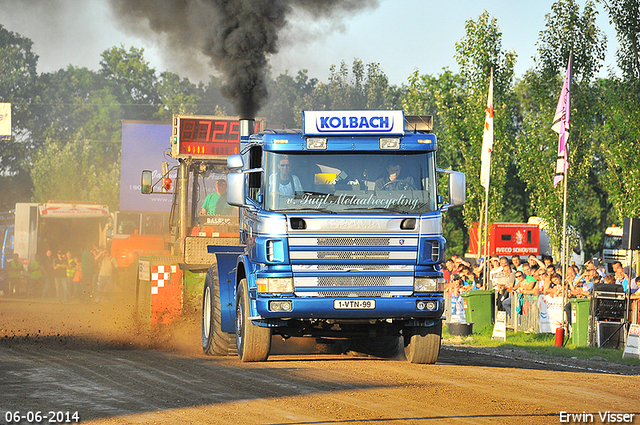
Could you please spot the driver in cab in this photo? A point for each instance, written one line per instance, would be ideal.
(284, 182)
(393, 180)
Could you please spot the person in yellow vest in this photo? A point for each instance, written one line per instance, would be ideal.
(16, 268)
(35, 276)
(106, 273)
(71, 271)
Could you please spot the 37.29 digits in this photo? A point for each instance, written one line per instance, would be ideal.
(50, 417)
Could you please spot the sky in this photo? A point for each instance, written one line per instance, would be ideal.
(400, 35)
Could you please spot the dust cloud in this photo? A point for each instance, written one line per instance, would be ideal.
(239, 36)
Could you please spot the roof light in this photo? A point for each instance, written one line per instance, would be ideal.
(427, 141)
(387, 143)
(282, 141)
(316, 143)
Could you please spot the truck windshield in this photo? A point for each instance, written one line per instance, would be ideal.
(351, 182)
(612, 242)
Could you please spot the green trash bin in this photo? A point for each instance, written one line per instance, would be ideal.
(478, 308)
(580, 321)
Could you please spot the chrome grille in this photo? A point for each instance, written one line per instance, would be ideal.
(352, 255)
(355, 294)
(354, 281)
(353, 242)
(340, 267)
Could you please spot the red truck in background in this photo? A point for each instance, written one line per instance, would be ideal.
(524, 239)
(507, 239)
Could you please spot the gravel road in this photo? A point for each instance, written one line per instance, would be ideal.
(92, 359)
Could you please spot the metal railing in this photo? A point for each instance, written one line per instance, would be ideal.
(528, 319)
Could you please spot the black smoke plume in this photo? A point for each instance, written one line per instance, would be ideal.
(238, 36)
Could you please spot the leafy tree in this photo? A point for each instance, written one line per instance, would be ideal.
(365, 89)
(477, 53)
(132, 80)
(213, 103)
(287, 97)
(566, 30)
(620, 103)
(177, 96)
(87, 179)
(17, 77)
(625, 15)
(59, 104)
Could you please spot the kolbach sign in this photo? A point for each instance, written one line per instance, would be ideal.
(353, 122)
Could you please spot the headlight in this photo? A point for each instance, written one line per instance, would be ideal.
(274, 285)
(428, 284)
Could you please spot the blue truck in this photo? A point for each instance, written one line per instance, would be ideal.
(340, 238)
(335, 234)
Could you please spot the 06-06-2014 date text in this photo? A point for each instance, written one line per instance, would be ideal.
(41, 417)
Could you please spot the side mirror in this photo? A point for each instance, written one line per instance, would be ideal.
(147, 182)
(235, 188)
(457, 189)
(234, 162)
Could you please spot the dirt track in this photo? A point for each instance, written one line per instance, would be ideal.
(93, 360)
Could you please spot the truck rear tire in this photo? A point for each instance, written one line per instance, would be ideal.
(214, 341)
(386, 347)
(254, 342)
(422, 345)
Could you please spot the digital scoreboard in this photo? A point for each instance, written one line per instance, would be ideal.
(207, 136)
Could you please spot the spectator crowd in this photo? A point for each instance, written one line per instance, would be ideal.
(512, 278)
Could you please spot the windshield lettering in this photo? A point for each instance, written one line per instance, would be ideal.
(327, 200)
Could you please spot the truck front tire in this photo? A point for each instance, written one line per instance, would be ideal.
(254, 342)
(214, 341)
(422, 345)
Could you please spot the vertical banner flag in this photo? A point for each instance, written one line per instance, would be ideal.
(5, 120)
(561, 126)
(487, 138)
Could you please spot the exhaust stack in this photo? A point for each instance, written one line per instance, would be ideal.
(247, 126)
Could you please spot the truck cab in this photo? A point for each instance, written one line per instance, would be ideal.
(342, 223)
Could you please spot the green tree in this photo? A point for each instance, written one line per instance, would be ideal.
(59, 104)
(620, 103)
(477, 54)
(177, 96)
(287, 96)
(132, 80)
(566, 30)
(17, 77)
(366, 88)
(86, 179)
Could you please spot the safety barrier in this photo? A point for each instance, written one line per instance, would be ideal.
(529, 318)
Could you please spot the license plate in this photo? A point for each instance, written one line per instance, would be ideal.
(354, 304)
